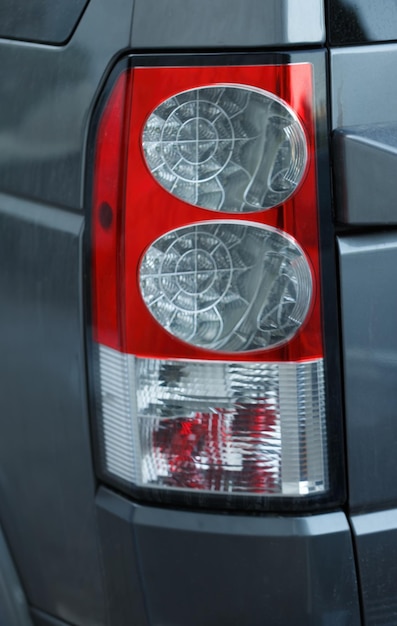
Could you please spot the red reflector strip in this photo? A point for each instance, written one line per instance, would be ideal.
(108, 203)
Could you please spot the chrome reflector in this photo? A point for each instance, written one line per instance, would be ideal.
(227, 286)
(226, 147)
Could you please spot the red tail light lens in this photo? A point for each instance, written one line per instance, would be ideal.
(207, 328)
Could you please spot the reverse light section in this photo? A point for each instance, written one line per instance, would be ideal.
(220, 427)
(230, 286)
(227, 148)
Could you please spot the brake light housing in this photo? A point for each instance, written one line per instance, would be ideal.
(207, 343)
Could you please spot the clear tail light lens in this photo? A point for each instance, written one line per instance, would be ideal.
(207, 328)
(218, 427)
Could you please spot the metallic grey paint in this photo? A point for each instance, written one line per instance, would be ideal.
(43, 619)
(363, 85)
(369, 330)
(361, 21)
(365, 166)
(215, 569)
(47, 484)
(13, 606)
(47, 95)
(51, 22)
(376, 543)
(174, 24)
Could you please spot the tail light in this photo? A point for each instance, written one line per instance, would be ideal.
(207, 326)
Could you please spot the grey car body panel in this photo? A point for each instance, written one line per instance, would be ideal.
(226, 23)
(42, 619)
(46, 102)
(368, 314)
(234, 570)
(363, 114)
(123, 583)
(360, 21)
(363, 85)
(47, 484)
(365, 182)
(376, 542)
(49, 22)
(13, 606)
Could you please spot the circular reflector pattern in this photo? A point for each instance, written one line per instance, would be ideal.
(226, 148)
(227, 286)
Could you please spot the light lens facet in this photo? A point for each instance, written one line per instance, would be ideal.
(226, 147)
(227, 286)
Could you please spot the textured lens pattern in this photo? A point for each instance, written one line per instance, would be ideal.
(112, 380)
(219, 427)
(226, 148)
(227, 286)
